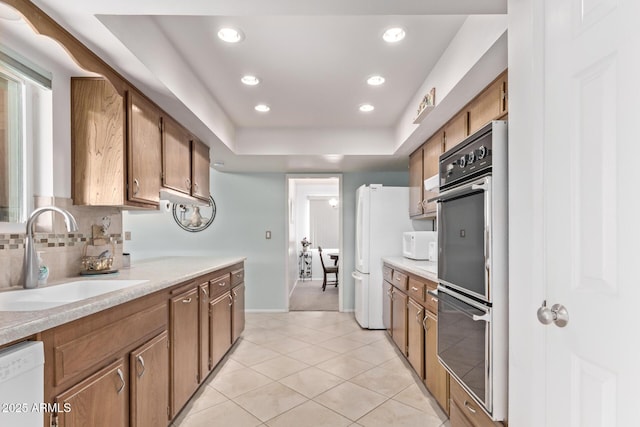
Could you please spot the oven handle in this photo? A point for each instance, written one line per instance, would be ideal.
(480, 184)
(468, 301)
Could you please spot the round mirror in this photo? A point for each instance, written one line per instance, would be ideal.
(194, 218)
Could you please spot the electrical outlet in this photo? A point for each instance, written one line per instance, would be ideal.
(267, 235)
(127, 235)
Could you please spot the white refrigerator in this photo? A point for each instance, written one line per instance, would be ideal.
(382, 215)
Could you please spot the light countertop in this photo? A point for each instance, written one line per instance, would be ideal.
(161, 273)
(425, 269)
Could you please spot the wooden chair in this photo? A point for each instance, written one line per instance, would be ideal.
(327, 270)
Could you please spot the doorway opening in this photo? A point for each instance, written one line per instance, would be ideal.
(314, 238)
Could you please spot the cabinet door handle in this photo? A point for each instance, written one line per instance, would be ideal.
(136, 187)
(141, 362)
(235, 294)
(122, 383)
(195, 186)
(186, 300)
(424, 322)
(188, 183)
(230, 300)
(205, 291)
(469, 407)
(419, 204)
(418, 315)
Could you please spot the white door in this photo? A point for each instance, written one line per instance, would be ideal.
(362, 229)
(583, 204)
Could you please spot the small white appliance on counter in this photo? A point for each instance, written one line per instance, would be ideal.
(381, 216)
(419, 245)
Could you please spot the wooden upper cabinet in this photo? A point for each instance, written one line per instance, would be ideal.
(144, 150)
(100, 400)
(415, 183)
(456, 130)
(431, 161)
(176, 157)
(200, 170)
(149, 367)
(491, 104)
(98, 158)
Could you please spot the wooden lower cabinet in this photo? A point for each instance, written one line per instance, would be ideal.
(415, 337)
(220, 326)
(436, 377)
(203, 326)
(465, 411)
(399, 320)
(149, 366)
(184, 348)
(100, 400)
(237, 309)
(386, 306)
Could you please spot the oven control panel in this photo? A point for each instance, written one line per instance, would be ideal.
(469, 159)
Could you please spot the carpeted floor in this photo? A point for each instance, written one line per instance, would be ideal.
(308, 296)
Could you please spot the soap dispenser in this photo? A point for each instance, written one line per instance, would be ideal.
(43, 273)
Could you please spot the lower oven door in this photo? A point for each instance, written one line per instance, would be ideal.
(464, 238)
(464, 343)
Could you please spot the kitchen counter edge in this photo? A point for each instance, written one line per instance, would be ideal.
(425, 269)
(161, 273)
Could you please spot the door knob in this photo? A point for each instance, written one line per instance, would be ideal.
(557, 314)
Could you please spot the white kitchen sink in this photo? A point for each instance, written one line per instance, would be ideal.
(65, 293)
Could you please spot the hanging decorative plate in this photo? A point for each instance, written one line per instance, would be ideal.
(194, 218)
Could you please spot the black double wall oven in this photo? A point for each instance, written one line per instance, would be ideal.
(472, 266)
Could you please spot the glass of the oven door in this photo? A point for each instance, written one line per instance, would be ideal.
(463, 342)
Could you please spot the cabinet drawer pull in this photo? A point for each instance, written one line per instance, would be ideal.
(434, 299)
(221, 284)
(230, 300)
(398, 278)
(469, 407)
(136, 187)
(141, 362)
(122, 383)
(414, 289)
(186, 300)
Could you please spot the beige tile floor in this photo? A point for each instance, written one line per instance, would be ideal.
(311, 369)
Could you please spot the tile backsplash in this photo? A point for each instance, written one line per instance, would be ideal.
(62, 251)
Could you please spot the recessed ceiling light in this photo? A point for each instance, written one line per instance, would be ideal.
(365, 108)
(230, 35)
(250, 80)
(393, 35)
(263, 108)
(375, 80)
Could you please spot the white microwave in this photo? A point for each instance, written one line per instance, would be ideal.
(419, 245)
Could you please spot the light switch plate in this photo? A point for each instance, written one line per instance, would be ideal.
(267, 235)
(127, 235)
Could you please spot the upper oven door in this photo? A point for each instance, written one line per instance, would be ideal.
(464, 238)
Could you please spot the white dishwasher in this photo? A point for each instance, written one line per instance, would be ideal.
(22, 384)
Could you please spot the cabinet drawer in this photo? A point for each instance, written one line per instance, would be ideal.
(471, 410)
(400, 280)
(387, 273)
(431, 303)
(220, 285)
(81, 354)
(237, 277)
(416, 290)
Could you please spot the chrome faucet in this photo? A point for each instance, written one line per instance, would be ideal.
(30, 267)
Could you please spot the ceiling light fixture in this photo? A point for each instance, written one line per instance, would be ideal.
(393, 35)
(250, 80)
(375, 80)
(230, 35)
(366, 108)
(262, 108)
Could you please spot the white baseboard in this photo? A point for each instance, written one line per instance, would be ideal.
(349, 310)
(263, 310)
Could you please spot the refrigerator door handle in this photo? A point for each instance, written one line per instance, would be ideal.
(355, 275)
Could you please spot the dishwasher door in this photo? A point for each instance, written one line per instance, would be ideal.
(22, 385)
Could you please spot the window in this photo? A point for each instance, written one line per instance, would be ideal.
(323, 223)
(12, 147)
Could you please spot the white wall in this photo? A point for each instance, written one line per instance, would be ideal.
(247, 206)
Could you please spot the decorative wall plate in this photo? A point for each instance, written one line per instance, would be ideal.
(194, 218)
